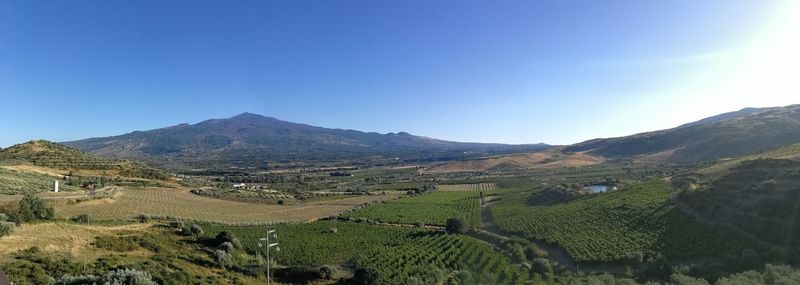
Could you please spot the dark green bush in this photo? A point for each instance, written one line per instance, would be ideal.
(366, 276)
(226, 236)
(32, 208)
(455, 226)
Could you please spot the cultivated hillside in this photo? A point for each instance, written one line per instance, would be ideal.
(542, 159)
(250, 140)
(44, 157)
(726, 135)
(758, 197)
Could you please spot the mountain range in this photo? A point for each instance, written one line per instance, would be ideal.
(255, 141)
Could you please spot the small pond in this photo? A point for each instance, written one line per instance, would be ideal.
(599, 188)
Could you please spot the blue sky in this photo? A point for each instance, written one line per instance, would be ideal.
(489, 71)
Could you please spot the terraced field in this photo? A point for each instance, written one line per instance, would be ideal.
(468, 187)
(181, 204)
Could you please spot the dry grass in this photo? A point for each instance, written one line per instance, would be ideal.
(179, 203)
(551, 158)
(61, 238)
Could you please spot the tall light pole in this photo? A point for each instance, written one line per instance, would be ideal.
(269, 245)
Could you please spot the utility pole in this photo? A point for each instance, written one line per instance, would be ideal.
(269, 245)
(85, 252)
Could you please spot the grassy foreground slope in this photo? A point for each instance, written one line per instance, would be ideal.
(638, 221)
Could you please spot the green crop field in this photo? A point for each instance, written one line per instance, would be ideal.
(430, 209)
(398, 253)
(468, 187)
(611, 226)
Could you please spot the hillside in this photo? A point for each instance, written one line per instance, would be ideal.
(758, 197)
(48, 158)
(723, 165)
(541, 159)
(723, 136)
(251, 140)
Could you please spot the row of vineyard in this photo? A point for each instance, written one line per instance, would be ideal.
(181, 204)
(430, 209)
(14, 182)
(399, 254)
(468, 187)
(634, 222)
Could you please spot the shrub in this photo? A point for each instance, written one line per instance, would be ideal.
(127, 277)
(176, 224)
(541, 265)
(366, 276)
(78, 280)
(143, 218)
(680, 279)
(226, 236)
(455, 226)
(517, 251)
(196, 230)
(227, 247)
(326, 272)
(533, 251)
(32, 208)
(223, 259)
(3, 217)
(6, 228)
(82, 218)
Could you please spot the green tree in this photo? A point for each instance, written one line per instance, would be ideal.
(455, 226)
(32, 208)
(366, 276)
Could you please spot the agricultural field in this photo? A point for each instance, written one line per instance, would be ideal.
(430, 209)
(20, 182)
(468, 187)
(399, 254)
(180, 203)
(637, 221)
(551, 158)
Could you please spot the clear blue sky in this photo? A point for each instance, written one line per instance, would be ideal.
(489, 71)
